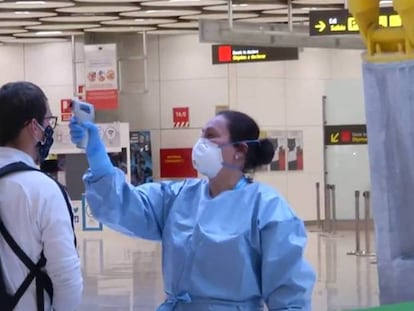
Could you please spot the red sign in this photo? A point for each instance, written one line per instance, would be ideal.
(66, 117)
(103, 99)
(65, 106)
(81, 92)
(177, 163)
(181, 117)
(65, 109)
(224, 53)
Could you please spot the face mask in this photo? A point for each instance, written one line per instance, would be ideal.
(207, 158)
(44, 146)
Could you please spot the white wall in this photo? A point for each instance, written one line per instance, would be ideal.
(279, 95)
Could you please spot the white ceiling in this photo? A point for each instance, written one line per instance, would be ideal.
(33, 19)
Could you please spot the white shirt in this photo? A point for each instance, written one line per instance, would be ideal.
(34, 211)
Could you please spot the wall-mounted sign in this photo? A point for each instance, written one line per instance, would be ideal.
(181, 117)
(101, 76)
(65, 109)
(346, 134)
(225, 54)
(89, 223)
(288, 150)
(341, 22)
(177, 163)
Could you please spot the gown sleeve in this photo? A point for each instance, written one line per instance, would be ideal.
(287, 278)
(136, 211)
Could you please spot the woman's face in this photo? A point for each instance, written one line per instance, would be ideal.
(217, 132)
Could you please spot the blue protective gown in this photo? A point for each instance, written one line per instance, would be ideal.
(228, 253)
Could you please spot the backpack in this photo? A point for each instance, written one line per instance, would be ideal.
(43, 283)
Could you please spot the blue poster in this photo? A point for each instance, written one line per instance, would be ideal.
(141, 157)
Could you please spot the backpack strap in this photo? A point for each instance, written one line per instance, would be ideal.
(43, 281)
(21, 167)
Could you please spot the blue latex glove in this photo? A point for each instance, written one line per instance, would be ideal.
(98, 158)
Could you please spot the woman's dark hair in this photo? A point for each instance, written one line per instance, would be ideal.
(20, 102)
(243, 128)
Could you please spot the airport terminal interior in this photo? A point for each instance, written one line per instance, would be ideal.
(158, 70)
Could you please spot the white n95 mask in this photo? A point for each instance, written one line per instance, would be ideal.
(207, 158)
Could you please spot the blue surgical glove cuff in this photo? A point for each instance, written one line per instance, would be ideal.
(99, 163)
(98, 158)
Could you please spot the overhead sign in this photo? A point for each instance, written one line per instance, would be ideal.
(227, 54)
(341, 22)
(346, 134)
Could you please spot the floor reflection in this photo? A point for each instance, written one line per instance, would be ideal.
(122, 273)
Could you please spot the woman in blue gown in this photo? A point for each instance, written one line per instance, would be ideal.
(229, 243)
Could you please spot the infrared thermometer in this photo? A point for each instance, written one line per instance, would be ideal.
(83, 112)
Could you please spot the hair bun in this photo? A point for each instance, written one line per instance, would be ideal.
(266, 152)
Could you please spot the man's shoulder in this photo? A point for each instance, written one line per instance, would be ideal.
(34, 182)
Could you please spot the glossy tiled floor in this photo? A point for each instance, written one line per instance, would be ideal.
(121, 273)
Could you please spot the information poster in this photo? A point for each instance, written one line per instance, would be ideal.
(288, 147)
(295, 150)
(141, 157)
(89, 222)
(101, 76)
(109, 132)
(278, 139)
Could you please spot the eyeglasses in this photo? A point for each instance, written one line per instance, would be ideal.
(52, 121)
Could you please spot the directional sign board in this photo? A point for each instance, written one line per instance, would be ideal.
(346, 134)
(341, 22)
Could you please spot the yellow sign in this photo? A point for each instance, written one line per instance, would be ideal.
(320, 26)
(335, 138)
(393, 21)
(340, 22)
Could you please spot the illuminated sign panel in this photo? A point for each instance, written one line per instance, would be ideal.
(341, 22)
(227, 54)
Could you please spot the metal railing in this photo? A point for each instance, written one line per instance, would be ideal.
(328, 224)
(366, 225)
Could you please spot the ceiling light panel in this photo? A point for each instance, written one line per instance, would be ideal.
(303, 10)
(182, 3)
(28, 5)
(218, 16)
(160, 13)
(13, 23)
(79, 18)
(99, 9)
(120, 29)
(54, 33)
(108, 1)
(6, 38)
(62, 26)
(24, 14)
(246, 7)
(172, 32)
(6, 31)
(275, 19)
(139, 21)
(182, 25)
(34, 40)
(319, 2)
